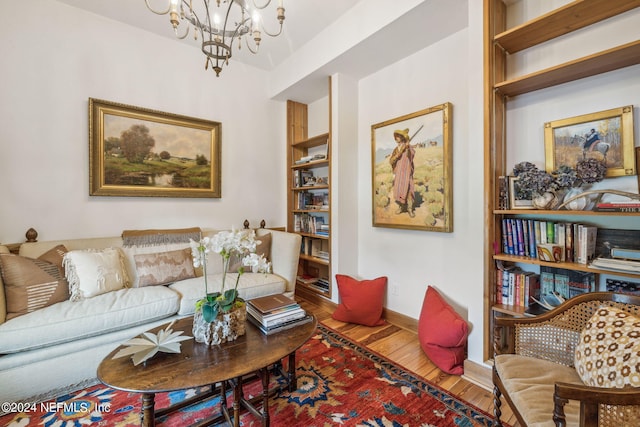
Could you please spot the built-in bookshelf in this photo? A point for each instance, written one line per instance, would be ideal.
(309, 200)
(500, 43)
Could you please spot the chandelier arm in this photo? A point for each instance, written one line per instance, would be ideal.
(274, 34)
(261, 7)
(155, 11)
(246, 42)
(186, 33)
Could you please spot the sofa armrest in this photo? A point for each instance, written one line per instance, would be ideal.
(285, 252)
(598, 406)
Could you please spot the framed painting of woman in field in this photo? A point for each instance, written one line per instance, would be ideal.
(136, 151)
(606, 136)
(411, 171)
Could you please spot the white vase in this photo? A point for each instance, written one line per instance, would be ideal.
(579, 204)
(225, 327)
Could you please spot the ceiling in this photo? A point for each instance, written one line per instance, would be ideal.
(304, 19)
(340, 27)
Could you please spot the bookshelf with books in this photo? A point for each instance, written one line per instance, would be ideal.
(309, 199)
(505, 82)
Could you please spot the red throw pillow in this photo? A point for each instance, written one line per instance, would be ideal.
(360, 300)
(442, 333)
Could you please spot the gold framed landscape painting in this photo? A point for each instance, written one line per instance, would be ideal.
(136, 151)
(412, 171)
(605, 135)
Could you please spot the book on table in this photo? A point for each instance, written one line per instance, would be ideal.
(268, 330)
(277, 318)
(274, 310)
(269, 303)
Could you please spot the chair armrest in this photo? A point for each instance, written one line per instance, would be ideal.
(596, 402)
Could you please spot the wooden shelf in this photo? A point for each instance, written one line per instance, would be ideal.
(314, 236)
(315, 141)
(511, 310)
(555, 212)
(311, 187)
(299, 146)
(312, 164)
(598, 63)
(571, 17)
(567, 265)
(315, 259)
(499, 43)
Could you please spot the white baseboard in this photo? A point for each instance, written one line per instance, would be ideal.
(479, 375)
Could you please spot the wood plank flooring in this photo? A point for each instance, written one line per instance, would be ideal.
(402, 347)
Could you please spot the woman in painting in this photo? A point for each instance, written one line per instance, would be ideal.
(402, 164)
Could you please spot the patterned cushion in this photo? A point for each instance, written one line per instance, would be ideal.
(162, 268)
(93, 272)
(608, 354)
(32, 284)
(262, 248)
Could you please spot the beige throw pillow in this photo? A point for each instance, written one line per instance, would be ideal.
(94, 272)
(162, 268)
(608, 354)
(31, 284)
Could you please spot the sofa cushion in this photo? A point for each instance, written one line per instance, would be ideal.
(263, 248)
(93, 272)
(252, 285)
(31, 284)
(530, 385)
(162, 268)
(360, 300)
(74, 320)
(608, 353)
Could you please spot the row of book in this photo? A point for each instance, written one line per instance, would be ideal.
(313, 200)
(318, 248)
(276, 313)
(517, 287)
(575, 242)
(311, 224)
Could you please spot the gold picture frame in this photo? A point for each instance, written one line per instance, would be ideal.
(139, 152)
(413, 156)
(605, 135)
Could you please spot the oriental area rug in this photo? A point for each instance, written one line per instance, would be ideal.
(339, 383)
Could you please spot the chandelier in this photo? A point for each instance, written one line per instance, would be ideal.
(220, 24)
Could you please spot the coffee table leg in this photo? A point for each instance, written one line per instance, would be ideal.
(265, 396)
(293, 385)
(237, 396)
(147, 415)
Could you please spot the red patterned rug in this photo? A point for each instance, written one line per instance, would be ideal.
(339, 383)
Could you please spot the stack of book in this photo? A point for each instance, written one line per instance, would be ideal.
(275, 313)
(621, 206)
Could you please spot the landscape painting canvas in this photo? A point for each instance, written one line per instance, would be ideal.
(411, 171)
(141, 152)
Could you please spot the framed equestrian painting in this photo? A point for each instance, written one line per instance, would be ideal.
(135, 151)
(411, 165)
(606, 136)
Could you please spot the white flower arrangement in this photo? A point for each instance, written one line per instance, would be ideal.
(227, 244)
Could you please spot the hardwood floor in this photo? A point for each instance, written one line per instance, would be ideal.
(402, 347)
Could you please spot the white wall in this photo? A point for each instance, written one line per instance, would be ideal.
(412, 259)
(54, 58)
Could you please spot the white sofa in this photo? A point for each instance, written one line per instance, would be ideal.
(60, 346)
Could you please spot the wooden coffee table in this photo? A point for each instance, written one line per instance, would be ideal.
(218, 366)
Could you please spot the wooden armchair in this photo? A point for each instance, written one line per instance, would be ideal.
(534, 368)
